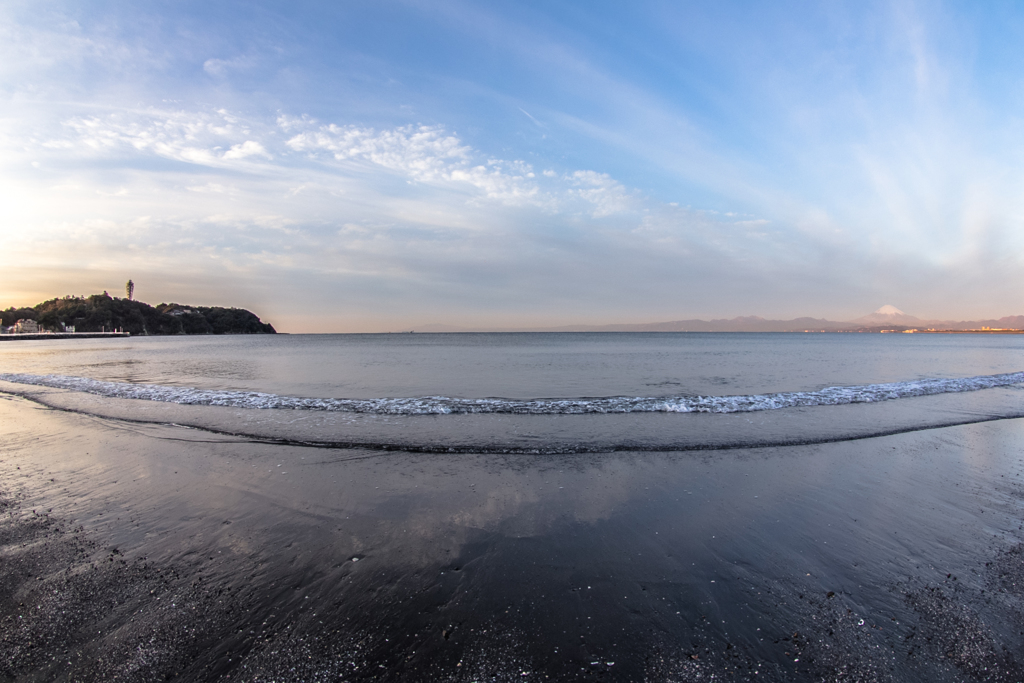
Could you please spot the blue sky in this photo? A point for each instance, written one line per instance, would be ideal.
(387, 165)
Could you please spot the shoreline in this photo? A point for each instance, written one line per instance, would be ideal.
(153, 551)
(61, 335)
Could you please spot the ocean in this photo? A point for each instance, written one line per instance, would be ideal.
(630, 506)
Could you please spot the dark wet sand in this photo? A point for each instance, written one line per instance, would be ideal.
(144, 553)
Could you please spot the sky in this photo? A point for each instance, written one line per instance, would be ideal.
(361, 167)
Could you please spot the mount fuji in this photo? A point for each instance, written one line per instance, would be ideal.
(888, 315)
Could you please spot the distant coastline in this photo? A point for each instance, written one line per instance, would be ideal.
(77, 317)
(441, 329)
(887, 319)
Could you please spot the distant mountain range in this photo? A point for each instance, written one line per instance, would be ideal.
(887, 317)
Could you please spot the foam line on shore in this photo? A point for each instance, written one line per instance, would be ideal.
(442, 405)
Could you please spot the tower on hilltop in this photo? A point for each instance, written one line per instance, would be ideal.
(129, 288)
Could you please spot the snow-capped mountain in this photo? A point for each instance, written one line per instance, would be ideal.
(888, 315)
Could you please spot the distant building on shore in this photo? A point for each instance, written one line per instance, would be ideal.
(25, 326)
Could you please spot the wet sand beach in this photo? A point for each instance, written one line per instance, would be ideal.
(152, 552)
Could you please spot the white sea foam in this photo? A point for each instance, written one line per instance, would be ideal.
(441, 405)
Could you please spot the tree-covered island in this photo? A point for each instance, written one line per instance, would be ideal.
(102, 312)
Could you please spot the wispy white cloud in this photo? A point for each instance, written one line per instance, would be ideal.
(433, 155)
(207, 138)
(246, 149)
(426, 154)
(606, 194)
(421, 154)
(222, 67)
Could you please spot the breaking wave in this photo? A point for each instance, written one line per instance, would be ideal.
(441, 405)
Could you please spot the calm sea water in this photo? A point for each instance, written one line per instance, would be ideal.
(540, 392)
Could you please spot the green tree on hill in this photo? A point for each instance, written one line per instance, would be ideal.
(101, 312)
(13, 315)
